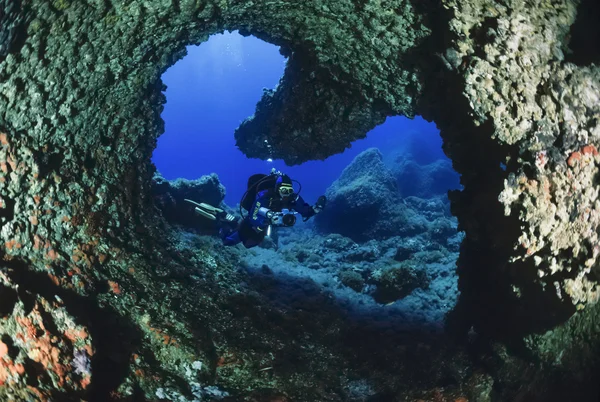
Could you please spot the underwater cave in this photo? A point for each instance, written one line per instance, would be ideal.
(209, 93)
(352, 251)
(108, 300)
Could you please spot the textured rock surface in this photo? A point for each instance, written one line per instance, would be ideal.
(415, 293)
(363, 200)
(539, 117)
(397, 282)
(364, 203)
(90, 270)
(334, 97)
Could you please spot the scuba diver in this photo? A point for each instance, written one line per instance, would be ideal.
(270, 200)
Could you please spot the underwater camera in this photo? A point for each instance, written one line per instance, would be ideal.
(283, 218)
(288, 219)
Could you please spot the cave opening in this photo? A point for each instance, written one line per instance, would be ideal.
(399, 247)
(584, 36)
(209, 93)
(217, 85)
(84, 84)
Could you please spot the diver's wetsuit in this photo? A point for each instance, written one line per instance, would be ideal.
(253, 228)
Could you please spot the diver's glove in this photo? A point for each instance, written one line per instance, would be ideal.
(320, 204)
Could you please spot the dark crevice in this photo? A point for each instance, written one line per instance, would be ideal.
(584, 37)
(13, 351)
(110, 78)
(34, 371)
(89, 162)
(27, 299)
(7, 211)
(8, 299)
(41, 48)
(19, 85)
(484, 34)
(48, 162)
(49, 322)
(540, 308)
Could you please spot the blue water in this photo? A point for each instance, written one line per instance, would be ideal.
(217, 85)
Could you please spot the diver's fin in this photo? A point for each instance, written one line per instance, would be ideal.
(206, 214)
(218, 213)
(204, 206)
(192, 202)
(210, 212)
(210, 208)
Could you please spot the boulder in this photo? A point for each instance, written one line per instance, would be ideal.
(397, 282)
(359, 198)
(364, 203)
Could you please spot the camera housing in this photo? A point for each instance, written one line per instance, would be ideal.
(288, 220)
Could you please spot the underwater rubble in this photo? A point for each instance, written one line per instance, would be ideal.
(364, 278)
(102, 299)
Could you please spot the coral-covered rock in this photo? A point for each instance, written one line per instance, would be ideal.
(397, 282)
(364, 204)
(365, 252)
(352, 279)
(338, 243)
(362, 201)
(206, 189)
(80, 106)
(441, 229)
(407, 248)
(431, 207)
(364, 184)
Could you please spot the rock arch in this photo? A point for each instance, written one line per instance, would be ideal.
(80, 103)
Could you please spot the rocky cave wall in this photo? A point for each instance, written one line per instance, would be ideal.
(80, 104)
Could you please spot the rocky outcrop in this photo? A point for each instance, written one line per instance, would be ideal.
(327, 99)
(92, 263)
(538, 113)
(289, 137)
(363, 200)
(364, 203)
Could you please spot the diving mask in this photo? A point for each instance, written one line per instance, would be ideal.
(286, 190)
